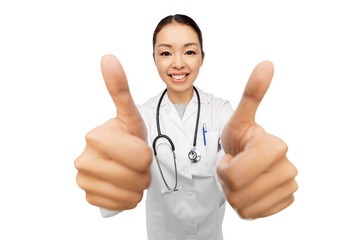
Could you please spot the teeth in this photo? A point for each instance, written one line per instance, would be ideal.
(178, 77)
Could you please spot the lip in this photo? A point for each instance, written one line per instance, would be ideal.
(179, 80)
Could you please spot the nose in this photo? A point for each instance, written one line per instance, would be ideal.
(178, 62)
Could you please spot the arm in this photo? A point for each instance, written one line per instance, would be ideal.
(255, 174)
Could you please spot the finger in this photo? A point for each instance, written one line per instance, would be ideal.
(279, 174)
(117, 85)
(254, 92)
(107, 203)
(117, 174)
(107, 190)
(278, 207)
(116, 145)
(225, 161)
(252, 162)
(269, 203)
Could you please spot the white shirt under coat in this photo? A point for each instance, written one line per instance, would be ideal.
(197, 209)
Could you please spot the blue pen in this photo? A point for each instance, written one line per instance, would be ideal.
(204, 131)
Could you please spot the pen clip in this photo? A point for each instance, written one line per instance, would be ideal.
(204, 127)
(204, 131)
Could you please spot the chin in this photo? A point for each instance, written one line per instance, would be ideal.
(179, 88)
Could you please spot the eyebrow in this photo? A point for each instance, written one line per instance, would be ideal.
(189, 44)
(185, 45)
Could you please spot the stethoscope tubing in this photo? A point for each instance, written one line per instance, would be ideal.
(160, 135)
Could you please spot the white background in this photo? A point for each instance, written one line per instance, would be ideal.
(52, 94)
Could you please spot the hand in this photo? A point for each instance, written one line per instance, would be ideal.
(114, 168)
(256, 176)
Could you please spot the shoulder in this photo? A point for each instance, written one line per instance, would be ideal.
(214, 101)
(219, 109)
(148, 107)
(151, 103)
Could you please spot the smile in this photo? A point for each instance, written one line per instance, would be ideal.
(179, 77)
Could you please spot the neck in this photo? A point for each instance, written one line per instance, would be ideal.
(183, 97)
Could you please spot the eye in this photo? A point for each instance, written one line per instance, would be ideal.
(190, 52)
(165, 54)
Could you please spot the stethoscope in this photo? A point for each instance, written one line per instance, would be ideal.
(194, 154)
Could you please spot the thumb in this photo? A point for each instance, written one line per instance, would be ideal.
(254, 92)
(117, 85)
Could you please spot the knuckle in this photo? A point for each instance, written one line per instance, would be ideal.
(146, 157)
(294, 187)
(134, 199)
(231, 183)
(232, 179)
(277, 144)
(146, 180)
(92, 138)
(83, 163)
(138, 197)
(80, 181)
(291, 199)
(245, 214)
(91, 199)
(78, 163)
(282, 147)
(295, 171)
(291, 171)
(130, 206)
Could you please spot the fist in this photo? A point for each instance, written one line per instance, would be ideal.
(256, 176)
(114, 168)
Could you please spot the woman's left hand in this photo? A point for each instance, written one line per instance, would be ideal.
(256, 176)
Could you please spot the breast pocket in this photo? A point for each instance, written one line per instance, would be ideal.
(206, 166)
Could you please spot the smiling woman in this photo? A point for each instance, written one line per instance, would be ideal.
(117, 164)
(178, 55)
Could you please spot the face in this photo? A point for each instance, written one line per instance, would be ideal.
(177, 55)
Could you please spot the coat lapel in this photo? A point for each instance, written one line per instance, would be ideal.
(168, 113)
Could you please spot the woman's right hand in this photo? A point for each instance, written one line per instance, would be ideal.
(114, 168)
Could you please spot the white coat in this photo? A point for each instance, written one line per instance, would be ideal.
(196, 211)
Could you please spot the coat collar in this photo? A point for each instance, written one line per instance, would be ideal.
(204, 98)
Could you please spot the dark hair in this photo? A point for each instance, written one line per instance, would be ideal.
(179, 19)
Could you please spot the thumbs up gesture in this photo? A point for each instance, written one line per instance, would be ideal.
(114, 168)
(256, 176)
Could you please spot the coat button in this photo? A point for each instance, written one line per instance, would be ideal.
(192, 222)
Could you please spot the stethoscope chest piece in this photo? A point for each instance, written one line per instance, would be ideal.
(194, 155)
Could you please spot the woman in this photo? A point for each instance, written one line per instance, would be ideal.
(185, 198)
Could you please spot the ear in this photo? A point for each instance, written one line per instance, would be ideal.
(202, 58)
